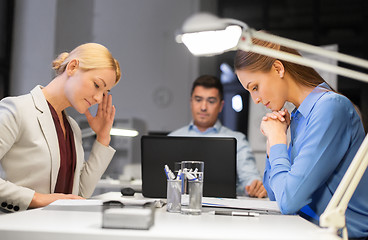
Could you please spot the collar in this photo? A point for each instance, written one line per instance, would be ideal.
(39, 99)
(311, 99)
(215, 128)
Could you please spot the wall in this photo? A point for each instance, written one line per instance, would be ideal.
(74, 19)
(33, 44)
(156, 71)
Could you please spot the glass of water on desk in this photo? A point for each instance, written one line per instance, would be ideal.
(192, 187)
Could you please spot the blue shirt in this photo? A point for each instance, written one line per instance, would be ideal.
(326, 133)
(246, 167)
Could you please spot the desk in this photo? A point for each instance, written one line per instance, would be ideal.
(83, 225)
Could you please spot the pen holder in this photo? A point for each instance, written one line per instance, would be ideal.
(192, 187)
(173, 195)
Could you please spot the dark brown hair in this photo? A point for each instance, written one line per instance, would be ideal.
(303, 75)
(209, 81)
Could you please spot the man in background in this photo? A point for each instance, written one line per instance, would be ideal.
(206, 104)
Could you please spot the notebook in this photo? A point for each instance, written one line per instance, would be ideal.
(217, 153)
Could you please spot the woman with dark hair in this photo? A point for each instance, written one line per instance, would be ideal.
(326, 133)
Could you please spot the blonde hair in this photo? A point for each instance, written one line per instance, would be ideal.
(90, 56)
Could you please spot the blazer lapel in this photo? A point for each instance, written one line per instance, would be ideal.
(49, 131)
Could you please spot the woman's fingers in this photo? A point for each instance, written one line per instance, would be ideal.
(280, 115)
(105, 107)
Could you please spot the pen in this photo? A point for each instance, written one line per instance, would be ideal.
(169, 174)
(231, 213)
(190, 176)
(178, 177)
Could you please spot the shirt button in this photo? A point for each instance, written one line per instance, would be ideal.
(4, 204)
(16, 208)
(10, 206)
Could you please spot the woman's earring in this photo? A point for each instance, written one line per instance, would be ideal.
(281, 74)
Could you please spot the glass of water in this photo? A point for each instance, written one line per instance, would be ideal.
(192, 187)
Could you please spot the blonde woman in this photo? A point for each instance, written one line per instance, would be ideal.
(41, 146)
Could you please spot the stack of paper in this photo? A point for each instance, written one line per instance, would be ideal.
(244, 203)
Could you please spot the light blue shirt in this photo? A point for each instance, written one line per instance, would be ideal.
(326, 133)
(246, 166)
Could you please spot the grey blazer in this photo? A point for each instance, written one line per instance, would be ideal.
(30, 155)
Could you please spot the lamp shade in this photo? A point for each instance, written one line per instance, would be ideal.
(205, 34)
(209, 43)
(203, 22)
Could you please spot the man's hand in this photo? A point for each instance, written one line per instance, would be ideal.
(256, 189)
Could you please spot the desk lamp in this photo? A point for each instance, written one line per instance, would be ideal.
(206, 35)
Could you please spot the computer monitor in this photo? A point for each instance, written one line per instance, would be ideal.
(217, 153)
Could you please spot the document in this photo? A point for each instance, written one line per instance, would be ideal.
(137, 199)
(77, 202)
(95, 205)
(88, 205)
(242, 203)
(99, 202)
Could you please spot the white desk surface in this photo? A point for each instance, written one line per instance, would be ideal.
(56, 224)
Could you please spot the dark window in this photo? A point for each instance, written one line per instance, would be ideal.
(6, 27)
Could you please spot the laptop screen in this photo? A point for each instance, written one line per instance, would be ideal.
(217, 153)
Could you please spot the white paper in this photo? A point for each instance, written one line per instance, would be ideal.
(243, 203)
(99, 202)
(77, 202)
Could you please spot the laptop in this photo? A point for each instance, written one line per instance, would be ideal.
(217, 153)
